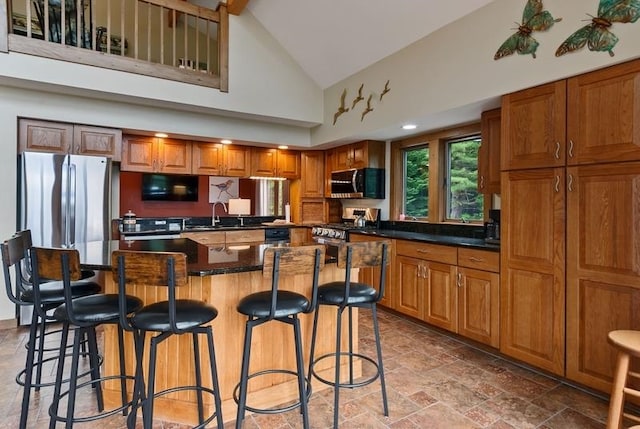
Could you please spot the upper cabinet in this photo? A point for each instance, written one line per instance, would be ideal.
(587, 119)
(275, 163)
(312, 178)
(534, 125)
(54, 137)
(367, 153)
(216, 159)
(489, 153)
(151, 154)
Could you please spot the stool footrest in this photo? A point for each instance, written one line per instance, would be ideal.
(631, 417)
(236, 392)
(632, 392)
(365, 382)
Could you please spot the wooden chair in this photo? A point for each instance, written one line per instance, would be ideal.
(348, 294)
(628, 345)
(281, 306)
(165, 318)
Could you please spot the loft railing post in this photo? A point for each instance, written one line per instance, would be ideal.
(223, 47)
(4, 31)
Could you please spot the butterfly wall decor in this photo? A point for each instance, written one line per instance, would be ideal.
(534, 18)
(596, 35)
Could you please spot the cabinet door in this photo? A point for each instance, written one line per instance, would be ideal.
(371, 276)
(532, 289)
(359, 155)
(603, 272)
(173, 156)
(312, 178)
(207, 158)
(288, 164)
(409, 274)
(329, 166)
(441, 300)
(534, 127)
(237, 161)
(479, 305)
(97, 141)
(489, 153)
(604, 115)
(343, 156)
(263, 162)
(44, 136)
(138, 154)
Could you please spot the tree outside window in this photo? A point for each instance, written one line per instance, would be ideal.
(416, 182)
(463, 201)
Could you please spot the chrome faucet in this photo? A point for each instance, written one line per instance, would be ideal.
(216, 219)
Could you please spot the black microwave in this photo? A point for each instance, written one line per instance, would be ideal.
(358, 183)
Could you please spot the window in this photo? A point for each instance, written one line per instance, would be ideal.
(435, 176)
(462, 199)
(416, 182)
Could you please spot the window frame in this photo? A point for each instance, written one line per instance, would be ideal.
(447, 174)
(437, 141)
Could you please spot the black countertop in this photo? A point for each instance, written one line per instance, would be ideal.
(201, 260)
(447, 240)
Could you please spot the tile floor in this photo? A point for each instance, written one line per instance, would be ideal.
(433, 381)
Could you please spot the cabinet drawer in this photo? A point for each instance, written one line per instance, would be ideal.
(212, 237)
(429, 252)
(245, 235)
(479, 259)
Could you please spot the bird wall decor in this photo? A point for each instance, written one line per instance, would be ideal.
(385, 90)
(596, 35)
(534, 18)
(368, 108)
(341, 108)
(358, 98)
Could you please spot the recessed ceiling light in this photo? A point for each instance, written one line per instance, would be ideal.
(409, 127)
(226, 141)
(283, 146)
(161, 135)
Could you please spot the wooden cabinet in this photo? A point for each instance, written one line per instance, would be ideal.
(312, 175)
(479, 295)
(534, 127)
(151, 154)
(217, 159)
(603, 115)
(54, 137)
(371, 276)
(425, 278)
(367, 153)
(603, 276)
(275, 163)
(489, 153)
(221, 237)
(532, 289)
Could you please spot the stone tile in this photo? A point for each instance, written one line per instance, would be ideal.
(439, 416)
(516, 411)
(571, 419)
(587, 404)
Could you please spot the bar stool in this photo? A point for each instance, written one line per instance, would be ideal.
(16, 254)
(347, 295)
(166, 318)
(628, 345)
(85, 314)
(282, 306)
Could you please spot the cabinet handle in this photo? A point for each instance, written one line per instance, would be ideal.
(424, 271)
(570, 148)
(570, 186)
(422, 251)
(474, 259)
(482, 182)
(419, 273)
(459, 281)
(557, 185)
(557, 150)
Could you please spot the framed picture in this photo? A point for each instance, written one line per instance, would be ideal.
(19, 25)
(117, 45)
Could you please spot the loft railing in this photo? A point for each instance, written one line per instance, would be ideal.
(169, 39)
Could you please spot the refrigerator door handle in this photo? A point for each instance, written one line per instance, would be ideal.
(64, 203)
(71, 238)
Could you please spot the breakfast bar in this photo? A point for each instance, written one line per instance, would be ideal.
(219, 275)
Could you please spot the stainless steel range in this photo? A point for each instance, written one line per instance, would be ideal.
(353, 218)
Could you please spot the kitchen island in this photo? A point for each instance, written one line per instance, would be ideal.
(220, 275)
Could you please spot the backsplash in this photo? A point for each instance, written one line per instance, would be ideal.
(469, 231)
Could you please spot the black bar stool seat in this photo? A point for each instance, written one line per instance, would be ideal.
(359, 293)
(189, 314)
(96, 309)
(287, 303)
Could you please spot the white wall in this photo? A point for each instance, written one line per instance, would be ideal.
(450, 76)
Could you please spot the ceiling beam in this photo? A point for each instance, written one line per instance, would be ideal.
(235, 7)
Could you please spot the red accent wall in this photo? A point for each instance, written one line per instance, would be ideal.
(131, 199)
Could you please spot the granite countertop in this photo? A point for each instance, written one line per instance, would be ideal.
(201, 260)
(447, 240)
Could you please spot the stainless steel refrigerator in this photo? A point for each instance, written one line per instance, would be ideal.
(64, 199)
